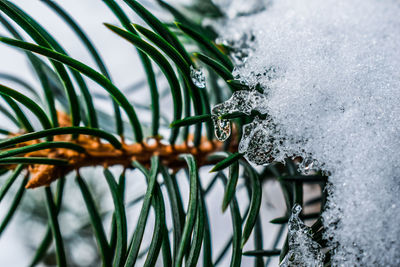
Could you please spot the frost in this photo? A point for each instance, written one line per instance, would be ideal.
(198, 77)
(331, 80)
(303, 251)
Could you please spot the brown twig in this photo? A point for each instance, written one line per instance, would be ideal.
(103, 154)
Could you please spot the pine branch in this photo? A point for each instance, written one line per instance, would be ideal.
(91, 151)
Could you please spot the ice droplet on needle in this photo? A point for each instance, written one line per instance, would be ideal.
(198, 77)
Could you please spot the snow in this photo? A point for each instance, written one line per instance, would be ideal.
(330, 71)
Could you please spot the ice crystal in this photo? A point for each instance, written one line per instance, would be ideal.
(240, 47)
(257, 142)
(240, 101)
(222, 128)
(198, 77)
(330, 73)
(303, 251)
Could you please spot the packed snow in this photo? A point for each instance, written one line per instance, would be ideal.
(330, 71)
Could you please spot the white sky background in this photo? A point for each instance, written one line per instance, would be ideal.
(125, 69)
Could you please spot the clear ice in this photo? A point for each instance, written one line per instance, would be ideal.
(240, 101)
(240, 48)
(222, 128)
(198, 77)
(257, 143)
(303, 251)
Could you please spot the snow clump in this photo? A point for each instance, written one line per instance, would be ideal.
(330, 71)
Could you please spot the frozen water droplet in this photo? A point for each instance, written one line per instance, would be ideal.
(240, 47)
(240, 101)
(309, 166)
(303, 251)
(198, 77)
(222, 128)
(296, 210)
(256, 142)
